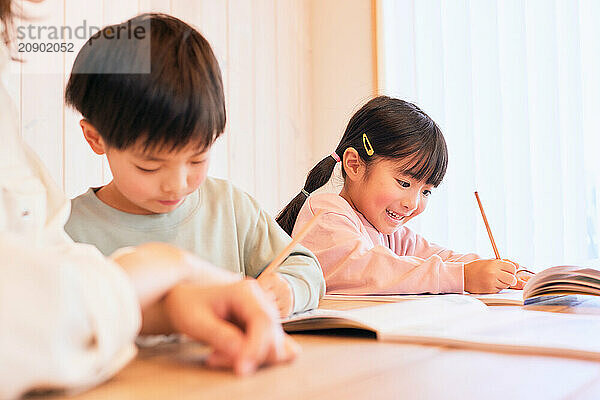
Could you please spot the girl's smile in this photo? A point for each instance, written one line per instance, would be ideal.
(394, 216)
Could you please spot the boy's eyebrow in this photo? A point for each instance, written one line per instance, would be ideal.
(150, 157)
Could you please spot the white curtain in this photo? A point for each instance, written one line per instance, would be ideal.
(515, 87)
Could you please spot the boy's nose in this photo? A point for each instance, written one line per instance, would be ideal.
(175, 183)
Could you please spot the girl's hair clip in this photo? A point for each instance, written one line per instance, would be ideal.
(304, 192)
(367, 144)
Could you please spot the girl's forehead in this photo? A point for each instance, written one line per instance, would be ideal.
(403, 166)
(410, 167)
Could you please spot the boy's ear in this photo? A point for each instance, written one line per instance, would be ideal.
(92, 136)
(353, 164)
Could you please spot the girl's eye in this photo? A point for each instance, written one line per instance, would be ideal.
(426, 193)
(404, 184)
(146, 170)
(198, 162)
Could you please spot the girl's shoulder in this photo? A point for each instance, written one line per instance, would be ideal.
(329, 202)
(337, 212)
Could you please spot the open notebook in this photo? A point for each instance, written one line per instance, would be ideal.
(506, 297)
(563, 280)
(465, 322)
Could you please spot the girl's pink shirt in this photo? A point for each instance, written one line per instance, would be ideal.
(358, 259)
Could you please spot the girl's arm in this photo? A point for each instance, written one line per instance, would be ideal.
(352, 264)
(417, 245)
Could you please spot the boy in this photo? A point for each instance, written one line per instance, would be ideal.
(156, 119)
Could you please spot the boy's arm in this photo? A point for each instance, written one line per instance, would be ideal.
(264, 241)
(303, 273)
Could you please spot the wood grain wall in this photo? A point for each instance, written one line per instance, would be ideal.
(263, 50)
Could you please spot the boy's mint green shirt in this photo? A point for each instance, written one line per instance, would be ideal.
(219, 222)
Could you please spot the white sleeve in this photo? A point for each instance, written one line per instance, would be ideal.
(68, 317)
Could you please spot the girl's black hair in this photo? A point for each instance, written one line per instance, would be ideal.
(396, 130)
(157, 84)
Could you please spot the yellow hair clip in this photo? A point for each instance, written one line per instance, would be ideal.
(367, 144)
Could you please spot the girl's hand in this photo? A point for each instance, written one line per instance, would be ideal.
(280, 291)
(489, 276)
(237, 320)
(522, 275)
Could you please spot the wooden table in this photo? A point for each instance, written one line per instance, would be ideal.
(354, 367)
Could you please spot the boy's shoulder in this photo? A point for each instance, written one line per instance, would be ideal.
(84, 201)
(85, 216)
(218, 190)
(220, 186)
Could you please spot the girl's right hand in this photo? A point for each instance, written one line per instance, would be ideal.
(489, 276)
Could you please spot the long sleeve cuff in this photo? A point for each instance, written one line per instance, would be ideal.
(300, 293)
(452, 277)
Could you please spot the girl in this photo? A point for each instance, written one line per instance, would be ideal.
(392, 155)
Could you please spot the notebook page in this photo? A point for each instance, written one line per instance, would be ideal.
(388, 316)
(517, 330)
(438, 310)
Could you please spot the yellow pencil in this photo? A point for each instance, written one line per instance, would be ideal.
(288, 249)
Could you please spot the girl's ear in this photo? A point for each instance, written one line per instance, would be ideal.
(353, 165)
(92, 136)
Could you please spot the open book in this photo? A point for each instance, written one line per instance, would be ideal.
(563, 280)
(465, 322)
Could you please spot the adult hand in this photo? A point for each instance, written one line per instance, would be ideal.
(237, 320)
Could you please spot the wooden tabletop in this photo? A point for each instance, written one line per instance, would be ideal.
(360, 367)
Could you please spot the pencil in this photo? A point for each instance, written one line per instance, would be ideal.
(288, 249)
(487, 226)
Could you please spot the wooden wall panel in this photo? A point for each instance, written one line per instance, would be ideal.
(241, 95)
(83, 168)
(41, 96)
(263, 49)
(266, 150)
(210, 17)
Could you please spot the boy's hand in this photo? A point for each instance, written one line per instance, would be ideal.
(489, 276)
(237, 320)
(280, 291)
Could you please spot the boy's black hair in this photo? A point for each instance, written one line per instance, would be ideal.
(396, 130)
(178, 101)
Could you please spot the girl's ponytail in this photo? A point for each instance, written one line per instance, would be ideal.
(317, 177)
